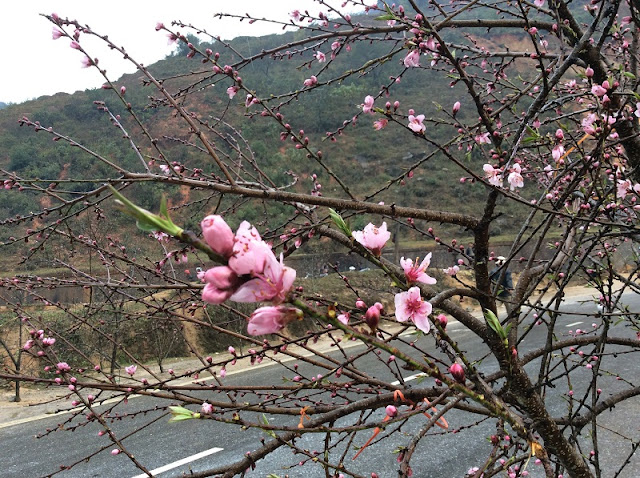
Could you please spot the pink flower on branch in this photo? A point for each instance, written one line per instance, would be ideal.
(417, 273)
(373, 238)
(515, 178)
(380, 124)
(623, 187)
(451, 271)
(222, 282)
(456, 108)
(367, 107)
(311, 81)
(483, 138)
(250, 252)
(412, 60)
(231, 91)
(273, 284)
(493, 175)
(411, 306)
(131, 369)
(598, 90)
(271, 319)
(415, 124)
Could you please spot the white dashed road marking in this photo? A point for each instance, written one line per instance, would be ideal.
(178, 463)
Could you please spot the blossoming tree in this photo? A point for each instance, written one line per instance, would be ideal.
(542, 115)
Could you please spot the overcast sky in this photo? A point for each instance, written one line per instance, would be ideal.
(33, 64)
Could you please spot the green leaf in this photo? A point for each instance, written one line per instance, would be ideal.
(146, 220)
(385, 17)
(146, 226)
(496, 326)
(163, 207)
(179, 414)
(339, 222)
(264, 419)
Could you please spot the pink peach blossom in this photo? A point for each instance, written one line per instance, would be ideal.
(321, 57)
(557, 152)
(380, 124)
(417, 273)
(587, 123)
(483, 138)
(373, 238)
(131, 369)
(493, 175)
(273, 284)
(412, 60)
(271, 319)
(231, 91)
(222, 282)
(311, 81)
(367, 107)
(249, 251)
(411, 306)
(451, 271)
(623, 187)
(515, 178)
(415, 124)
(598, 90)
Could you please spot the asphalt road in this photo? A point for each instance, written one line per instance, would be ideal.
(175, 448)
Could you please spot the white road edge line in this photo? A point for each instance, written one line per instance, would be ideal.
(574, 323)
(178, 463)
(409, 378)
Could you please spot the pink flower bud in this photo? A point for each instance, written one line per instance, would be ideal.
(457, 372)
(360, 304)
(218, 235)
(392, 411)
(456, 108)
(442, 320)
(63, 366)
(589, 72)
(372, 317)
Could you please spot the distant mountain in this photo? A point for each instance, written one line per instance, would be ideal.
(365, 158)
(3, 105)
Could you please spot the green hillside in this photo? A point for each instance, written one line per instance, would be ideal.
(365, 159)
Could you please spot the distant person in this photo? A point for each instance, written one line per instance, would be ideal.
(505, 289)
(469, 252)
